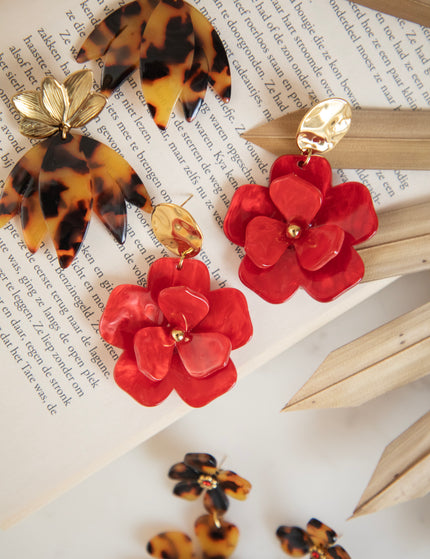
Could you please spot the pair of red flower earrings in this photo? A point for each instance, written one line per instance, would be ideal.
(176, 333)
(199, 474)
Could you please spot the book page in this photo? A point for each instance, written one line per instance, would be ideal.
(61, 413)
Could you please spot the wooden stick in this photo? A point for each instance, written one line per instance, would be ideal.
(417, 11)
(403, 472)
(401, 244)
(377, 139)
(386, 358)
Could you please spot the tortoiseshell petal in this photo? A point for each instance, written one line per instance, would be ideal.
(108, 202)
(182, 471)
(166, 57)
(294, 540)
(122, 58)
(215, 500)
(234, 485)
(219, 69)
(201, 462)
(320, 533)
(100, 155)
(188, 490)
(171, 545)
(194, 89)
(216, 543)
(24, 174)
(65, 196)
(32, 220)
(103, 34)
(337, 552)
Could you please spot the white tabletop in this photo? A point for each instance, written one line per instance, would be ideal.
(301, 464)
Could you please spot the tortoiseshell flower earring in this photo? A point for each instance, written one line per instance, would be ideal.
(178, 51)
(56, 184)
(198, 474)
(318, 540)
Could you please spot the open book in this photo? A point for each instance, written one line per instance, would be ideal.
(62, 415)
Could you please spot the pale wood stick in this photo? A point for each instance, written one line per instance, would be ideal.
(413, 10)
(403, 472)
(386, 358)
(401, 223)
(396, 259)
(377, 139)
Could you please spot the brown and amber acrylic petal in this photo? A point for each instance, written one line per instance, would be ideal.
(23, 176)
(65, 196)
(109, 203)
(182, 471)
(166, 57)
(188, 490)
(337, 552)
(194, 90)
(219, 69)
(101, 155)
(121, 59)
(98, 42)
(171, 545)
(32, 219)
(234, 485)
(294, 540)
(215, 500)
(320, 533)
(201, 462)
(216, 542)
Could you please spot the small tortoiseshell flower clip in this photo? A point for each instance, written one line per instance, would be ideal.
(198, 474)
(56, 184)
(318, 541)
(177, 49)
(218, 538)
(301, 231)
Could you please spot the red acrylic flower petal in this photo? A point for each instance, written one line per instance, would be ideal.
(205, 353)
(128, 309)
(153, 347)
(182, 307)
(350, 206)
(317, 246)
(137, 385)
(317, 171)
(228, 315)
(266, 241)
(249, 201)
(297, 199)
(164, 273)
(341, 273)
(275, 284)
(199, 392)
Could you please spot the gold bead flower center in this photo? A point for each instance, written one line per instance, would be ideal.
(294, 231)
(207, 482)
(177, 335)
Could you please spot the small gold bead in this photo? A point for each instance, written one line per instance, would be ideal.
(177, 335)
(294, 231)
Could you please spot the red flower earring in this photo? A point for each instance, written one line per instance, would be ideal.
(176, 333)
(301, 231)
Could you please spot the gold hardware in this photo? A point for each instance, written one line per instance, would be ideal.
(177, 230)
(293, 231)
(207, 482)
(178, 335)
(323, 126)
(58, 107)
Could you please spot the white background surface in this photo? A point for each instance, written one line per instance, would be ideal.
(301, 464)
